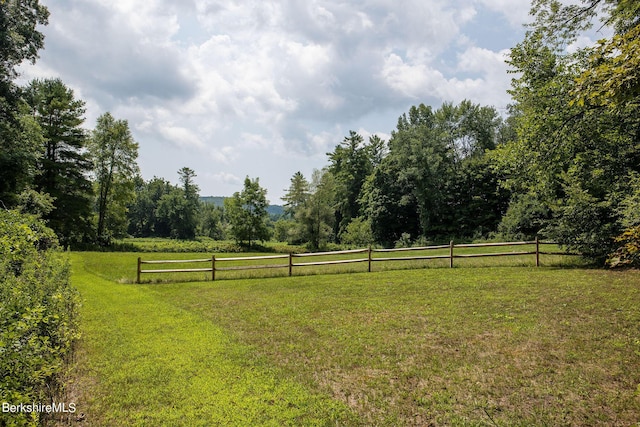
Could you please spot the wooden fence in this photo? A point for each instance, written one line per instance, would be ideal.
(215, 264)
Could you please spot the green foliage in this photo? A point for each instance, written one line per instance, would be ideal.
(525, 218)
(297, 194)
(247, 213)
(38, 314)
(316, 217)
(211, 221)
(176, 211)
(287, 230)
(350, 163)
(34, 202)
(577, 120)
(358, 233)
(19, 39)
(114, 153)
(628, 252)
(189, 221)
(20, 149)
(19, 134)
(64, 164)
(436, 180)
(143, 212)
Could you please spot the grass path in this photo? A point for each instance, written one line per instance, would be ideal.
(151, 363)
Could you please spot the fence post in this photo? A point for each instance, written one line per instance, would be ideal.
(369, 258)
(451, 254)
(138, 276)
(213, 267)
(537, 252)
(290, 264)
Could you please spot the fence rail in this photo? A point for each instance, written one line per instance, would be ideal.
(215, 263)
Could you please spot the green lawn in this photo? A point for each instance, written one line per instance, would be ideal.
(480, 345)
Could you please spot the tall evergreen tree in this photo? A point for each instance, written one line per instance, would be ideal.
(316, 216)
(189, 223)
(297, 194)
(64, 165)
(350, 165)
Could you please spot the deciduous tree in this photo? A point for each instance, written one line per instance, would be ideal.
(247, 212)
(114, 153)
(20, 138)
(577, 120)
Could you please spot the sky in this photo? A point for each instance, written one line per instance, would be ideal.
(266, 88)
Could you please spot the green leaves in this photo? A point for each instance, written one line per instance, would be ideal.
(247, 211)
(38, 313)
(577, 120)
(612, 77)
(114, 153)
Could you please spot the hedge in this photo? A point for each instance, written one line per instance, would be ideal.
(38, 315)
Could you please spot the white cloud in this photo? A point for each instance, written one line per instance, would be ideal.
(225, 155)
(263, 82)
(411, 80)
(223, 178)
(181, 136)
(516, 11)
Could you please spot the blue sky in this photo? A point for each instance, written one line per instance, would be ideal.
(265, 88)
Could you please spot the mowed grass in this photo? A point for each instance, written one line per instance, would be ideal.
(145, 361)
(481, 345)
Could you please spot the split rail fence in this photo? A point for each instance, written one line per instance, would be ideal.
(216, 264)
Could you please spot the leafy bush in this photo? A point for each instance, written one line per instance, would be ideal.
(358, 233)
(38, 314)
(628, 253)
(585, 224)
(524, 218)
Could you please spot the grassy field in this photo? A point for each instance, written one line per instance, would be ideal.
(480, 345)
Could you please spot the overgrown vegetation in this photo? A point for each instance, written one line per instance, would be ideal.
(38, 315)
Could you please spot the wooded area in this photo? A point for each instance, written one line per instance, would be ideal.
(562, 164)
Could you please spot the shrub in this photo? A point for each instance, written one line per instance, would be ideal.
(38, 321)
(358, 233)
(628, 253)
(524, 218)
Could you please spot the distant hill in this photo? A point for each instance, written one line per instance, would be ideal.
(217, 200)
(272, 210)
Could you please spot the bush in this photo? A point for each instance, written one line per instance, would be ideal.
(628, 253)
(358, 233)
(38, 314)
(524, 219)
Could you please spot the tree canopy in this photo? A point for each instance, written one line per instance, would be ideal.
(576, 115)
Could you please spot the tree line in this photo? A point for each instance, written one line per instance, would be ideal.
(563, 163)
(431, 181)
(79, 182)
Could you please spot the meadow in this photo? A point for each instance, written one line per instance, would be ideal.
(493, 341)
